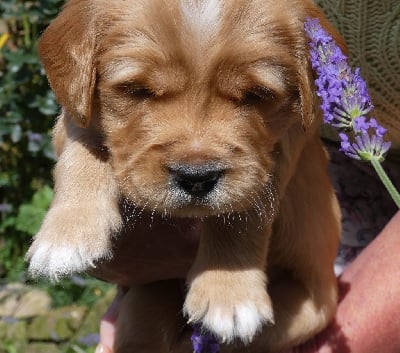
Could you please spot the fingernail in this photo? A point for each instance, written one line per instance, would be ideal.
(99, 349)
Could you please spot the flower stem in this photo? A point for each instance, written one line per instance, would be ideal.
(386, 181)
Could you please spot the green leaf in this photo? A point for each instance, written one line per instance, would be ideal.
(43, 198)
(30, 216)
(8, 222)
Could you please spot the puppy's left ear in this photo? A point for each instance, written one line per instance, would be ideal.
(67, 49)
(308, 99)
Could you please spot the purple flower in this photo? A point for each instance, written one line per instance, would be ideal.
(203, 342)
(345, 100)
(89, 340)
(365, 147)
(363, 125)
(343, 93)
(5, 208)
(34, 137)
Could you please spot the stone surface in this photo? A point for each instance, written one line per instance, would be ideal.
(21, 302)
(14, 332)
(58, 325)
(12, 288)
(42, 348)
(29, 325)
(9, 298)
(35, 302)
(8, 305)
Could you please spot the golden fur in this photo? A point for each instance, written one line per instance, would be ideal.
(200, 109)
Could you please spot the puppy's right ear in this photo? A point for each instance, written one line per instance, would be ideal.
(67, 50)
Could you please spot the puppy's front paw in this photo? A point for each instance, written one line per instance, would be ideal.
(229, 304)
(71, 239)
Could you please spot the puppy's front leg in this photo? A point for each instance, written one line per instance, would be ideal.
(84, 214)
(227, 284)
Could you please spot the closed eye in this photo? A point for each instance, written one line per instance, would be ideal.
(136, 90)
(258, 94)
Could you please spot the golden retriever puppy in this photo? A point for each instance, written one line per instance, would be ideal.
(203, 110)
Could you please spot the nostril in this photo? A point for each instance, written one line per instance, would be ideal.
(196, 180)
(198, 184)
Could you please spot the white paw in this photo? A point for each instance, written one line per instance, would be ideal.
(230, 304)
(70, 241)
(57, 261)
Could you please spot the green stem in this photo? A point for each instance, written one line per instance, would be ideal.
(386, 181)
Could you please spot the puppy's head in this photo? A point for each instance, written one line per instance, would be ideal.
(194, 97)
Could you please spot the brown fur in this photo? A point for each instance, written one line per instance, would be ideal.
(142, 92)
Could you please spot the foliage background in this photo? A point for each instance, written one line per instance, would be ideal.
(27, 113)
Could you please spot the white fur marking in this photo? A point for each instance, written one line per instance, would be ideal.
(55, 262)
(248, 321)
(220, 324)
(202, 16)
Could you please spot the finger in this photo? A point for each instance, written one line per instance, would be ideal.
(102, 349)
(107, 336)
(108, 324)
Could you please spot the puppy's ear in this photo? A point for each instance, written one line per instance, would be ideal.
(308, 99)
(66, 50)
(307, 92)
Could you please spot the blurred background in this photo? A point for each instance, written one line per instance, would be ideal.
(35, 316)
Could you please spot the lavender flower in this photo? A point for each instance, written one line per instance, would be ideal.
(89, 340)
(34, 137)
(203, 343)
(365, 147)
(345, 103)
(343, 93)
(5, 207)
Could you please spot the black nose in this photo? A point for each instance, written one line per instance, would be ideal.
(196, 179)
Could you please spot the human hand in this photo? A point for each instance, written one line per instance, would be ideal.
(368, 296)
